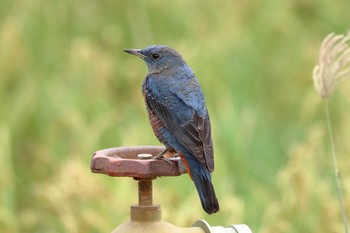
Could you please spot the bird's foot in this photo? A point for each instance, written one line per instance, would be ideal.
(160, 156)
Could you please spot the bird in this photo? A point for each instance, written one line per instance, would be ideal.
(179, 117)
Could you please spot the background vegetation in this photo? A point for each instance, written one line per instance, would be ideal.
(67, 90)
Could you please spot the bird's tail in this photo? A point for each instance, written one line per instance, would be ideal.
(202, 179)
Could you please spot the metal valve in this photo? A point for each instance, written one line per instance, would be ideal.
(145, 217)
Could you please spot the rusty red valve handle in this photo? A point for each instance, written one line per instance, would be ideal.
(124, 162)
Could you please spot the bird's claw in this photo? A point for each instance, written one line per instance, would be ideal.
(166, 160)
(160, 156)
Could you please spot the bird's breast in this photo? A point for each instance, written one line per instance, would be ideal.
(156, 124)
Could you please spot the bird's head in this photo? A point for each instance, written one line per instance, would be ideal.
(159, 58)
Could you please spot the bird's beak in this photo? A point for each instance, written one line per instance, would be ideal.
(136, 52)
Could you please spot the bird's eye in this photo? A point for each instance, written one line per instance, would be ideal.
(155, 56)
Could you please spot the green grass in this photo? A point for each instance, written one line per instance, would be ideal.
(67, 89)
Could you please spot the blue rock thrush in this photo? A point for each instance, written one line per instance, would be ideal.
(179, 117)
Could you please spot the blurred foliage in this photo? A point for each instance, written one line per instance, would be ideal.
(67, 90)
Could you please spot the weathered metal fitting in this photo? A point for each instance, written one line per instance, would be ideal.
(125, 162)
(239, 228)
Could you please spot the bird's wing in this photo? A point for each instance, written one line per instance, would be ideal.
(181, 109)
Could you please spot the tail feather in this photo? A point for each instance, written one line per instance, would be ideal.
(202, 180)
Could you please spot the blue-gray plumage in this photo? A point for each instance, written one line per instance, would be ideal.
(179, 117)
